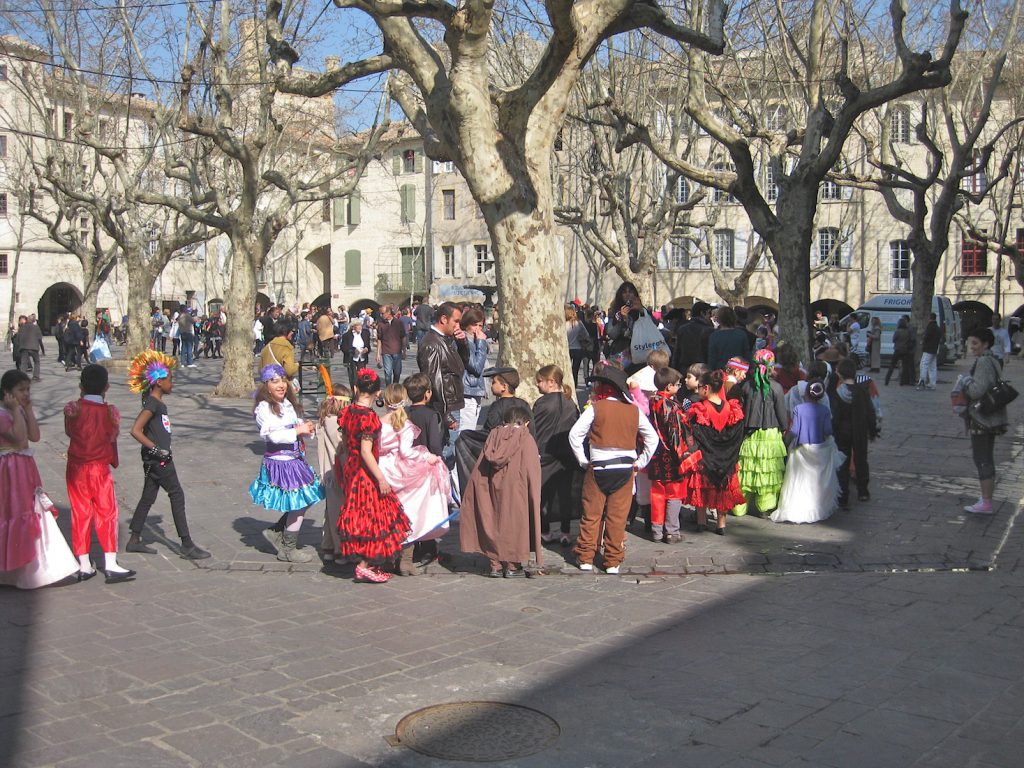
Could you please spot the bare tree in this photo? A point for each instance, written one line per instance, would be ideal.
(781, 107)
(498, 127)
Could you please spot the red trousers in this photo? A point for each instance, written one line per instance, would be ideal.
(661, 492)
(93, 505)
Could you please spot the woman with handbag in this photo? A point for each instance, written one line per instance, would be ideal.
(983, 423)
(622, 314)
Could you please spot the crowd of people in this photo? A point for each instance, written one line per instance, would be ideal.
(705, 413)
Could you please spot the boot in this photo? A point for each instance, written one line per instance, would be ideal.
(289, 551)
(405, 562)
(135, 545)
(273, 537)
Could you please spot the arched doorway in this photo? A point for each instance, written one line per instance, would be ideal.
(214, 305)
(973, 314)
(323, 301)
(318, 276)
(829, 307)
(263, 302)
(58, 299)
(358, 306)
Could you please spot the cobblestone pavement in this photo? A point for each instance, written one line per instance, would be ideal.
(880, 647)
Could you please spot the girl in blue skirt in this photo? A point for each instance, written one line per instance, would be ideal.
(286, 483)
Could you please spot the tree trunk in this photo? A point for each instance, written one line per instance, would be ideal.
(237, 380)
(140, 305)
(923, 270)
(530, 285)
(791, 248)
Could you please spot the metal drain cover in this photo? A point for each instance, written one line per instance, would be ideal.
(477, 731)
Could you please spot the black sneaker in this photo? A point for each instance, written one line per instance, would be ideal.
(139, 548)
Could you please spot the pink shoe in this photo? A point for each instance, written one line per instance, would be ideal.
(371, 575)
(981, 507)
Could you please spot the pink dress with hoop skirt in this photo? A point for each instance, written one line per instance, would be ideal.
(422, 487)
(33, 552)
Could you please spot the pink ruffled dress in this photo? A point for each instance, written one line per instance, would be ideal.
(423, 487)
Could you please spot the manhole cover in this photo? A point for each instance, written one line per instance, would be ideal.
(477, 731)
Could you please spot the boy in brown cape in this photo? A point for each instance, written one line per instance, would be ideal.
(501, 505)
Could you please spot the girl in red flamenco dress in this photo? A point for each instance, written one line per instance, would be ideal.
(717, 426)
(371, 524)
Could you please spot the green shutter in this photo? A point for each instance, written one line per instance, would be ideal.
(339, 212)
(396, 163)
(408, 195)
(419, 161)
(353, 207)
(353, 268)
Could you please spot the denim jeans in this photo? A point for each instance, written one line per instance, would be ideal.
(392, 369)
(187, 347)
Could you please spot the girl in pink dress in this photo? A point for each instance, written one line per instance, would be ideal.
(33, 553)
(418, 477)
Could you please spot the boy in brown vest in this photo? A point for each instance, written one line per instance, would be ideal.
(612, 423)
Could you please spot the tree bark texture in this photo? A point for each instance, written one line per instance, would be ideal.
(237, 377)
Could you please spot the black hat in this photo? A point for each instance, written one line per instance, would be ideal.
(509, 375)
(614, 376)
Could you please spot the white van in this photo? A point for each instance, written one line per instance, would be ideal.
(890, 307)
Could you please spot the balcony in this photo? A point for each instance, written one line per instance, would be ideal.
(401, 281)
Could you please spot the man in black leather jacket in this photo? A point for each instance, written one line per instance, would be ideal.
(442, 357)
(692, 338)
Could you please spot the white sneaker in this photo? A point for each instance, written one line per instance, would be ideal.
(981, 507)
(614, 570)
(585, 566)
(192, 365)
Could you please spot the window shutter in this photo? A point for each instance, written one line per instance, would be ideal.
(846, 250)
(408, 196)
(740, 248)
(419, 161)
(353, 207)
(396, 163)
(338, 204)
(353, 268)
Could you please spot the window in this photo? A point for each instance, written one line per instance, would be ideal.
(3, 145)
(444, 166)
(899, 269)
(353, 268)
(3, 265)
(448, 204)
(725, 248)
(977, 182)
(1020, 241)
(3, 72)
(973, 257)
(899, 125)
(409, 161)
(558, 141)
(683, 190)
(413, 267)
(830, 190)
(325, 211)
(152, 247)
(448, 251)
(777, 118)
(484, 260)
(771, 189)
(3, 203)
(69, 123)
(828, 247)
(719, 195)
(83, 228)
(678, 253)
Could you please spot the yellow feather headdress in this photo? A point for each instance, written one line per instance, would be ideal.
(148, 368)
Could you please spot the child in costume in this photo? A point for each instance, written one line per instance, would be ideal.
(417, 387)
(286, 483)
(811, 489)
(735, 372)
(763, 453)
(613, 426)
(554, 413)
(92, 425)
(673, 461)
(328, 441)
(501, 508)
(418, 477)
(372, 524)
(854, 425)
(151, 376)
(641, 389)
(33, 552)
(717, 426)
(688, 394)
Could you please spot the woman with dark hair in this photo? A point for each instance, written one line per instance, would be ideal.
(473, 386)
(903, 343)
(983, 427)
(623, 312)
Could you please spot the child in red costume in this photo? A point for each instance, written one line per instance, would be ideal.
(92, 425)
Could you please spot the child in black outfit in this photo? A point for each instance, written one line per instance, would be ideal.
(417, 387)
(150, 375)
(854, 424)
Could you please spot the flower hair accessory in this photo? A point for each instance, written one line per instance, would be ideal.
(366, 373)
(147, 368)
(765, 356)
(396, 406)
(272, 371)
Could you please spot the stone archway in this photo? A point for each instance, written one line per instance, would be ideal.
(263, 302)
(317, 277)
(58, 299)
